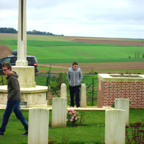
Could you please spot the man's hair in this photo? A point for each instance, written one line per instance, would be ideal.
(8, 65)
(74, 63)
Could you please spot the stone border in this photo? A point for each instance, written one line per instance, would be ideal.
(110, 78)
(94, 108)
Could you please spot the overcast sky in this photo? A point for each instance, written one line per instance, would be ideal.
(92, 18)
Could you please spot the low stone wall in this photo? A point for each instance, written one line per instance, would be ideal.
(115, 86)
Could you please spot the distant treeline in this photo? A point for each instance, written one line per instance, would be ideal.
(7, 30)
(35, 32)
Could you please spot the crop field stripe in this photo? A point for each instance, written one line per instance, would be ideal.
(83, 52)
(59, 51)
(86, 60)
(57, 43)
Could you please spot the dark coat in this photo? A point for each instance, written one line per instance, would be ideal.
(13, 87)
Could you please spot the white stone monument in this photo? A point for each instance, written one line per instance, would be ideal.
(83, 100)
(26, 73)
(38, 126)
(22, 41)
(59, 112)
(63, 91)
(121, 103)
(30, 93)
(115, 126)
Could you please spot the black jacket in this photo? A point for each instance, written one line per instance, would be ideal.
(13, 87)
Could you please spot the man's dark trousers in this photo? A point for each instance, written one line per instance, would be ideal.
(13, 105)
(75, 90)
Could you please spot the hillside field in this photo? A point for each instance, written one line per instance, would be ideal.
(53, 48)
(60, 49)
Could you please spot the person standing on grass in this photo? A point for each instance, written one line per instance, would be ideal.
(14, 98)
(74, 77)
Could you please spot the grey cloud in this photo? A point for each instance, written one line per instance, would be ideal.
(40, 4)
(119, 15)
(36, 4)
(8, 5)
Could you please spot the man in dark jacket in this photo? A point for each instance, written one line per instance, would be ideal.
(14, 97)
(74, 77)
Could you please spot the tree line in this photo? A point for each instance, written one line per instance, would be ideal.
(35, 32)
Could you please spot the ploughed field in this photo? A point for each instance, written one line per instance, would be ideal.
(114, 41)
(113, 67)
(4, 51)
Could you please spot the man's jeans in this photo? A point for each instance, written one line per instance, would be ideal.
(75, 90)
(13, 105)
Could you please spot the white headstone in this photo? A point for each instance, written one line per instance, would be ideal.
(115, 126)
(63, 90)
(38, 126)
(59, 112)
(121, 103)
(83, 100)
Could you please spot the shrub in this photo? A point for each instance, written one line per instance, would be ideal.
(95, 72)
(56, 82)
(137, 133)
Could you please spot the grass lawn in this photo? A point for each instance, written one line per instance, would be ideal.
(3, 79)
(92, 129)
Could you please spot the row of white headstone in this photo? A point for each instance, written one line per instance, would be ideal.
(83, 101)
(39, 120)
(115, 121)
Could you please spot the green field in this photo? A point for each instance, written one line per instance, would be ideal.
(58, 49)
(88, 60)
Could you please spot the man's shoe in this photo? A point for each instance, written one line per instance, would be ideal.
(26, 133)
(1, 134)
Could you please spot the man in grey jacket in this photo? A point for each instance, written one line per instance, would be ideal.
(74, 77)
(14, 97)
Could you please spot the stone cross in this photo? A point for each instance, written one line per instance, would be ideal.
(22, 41)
